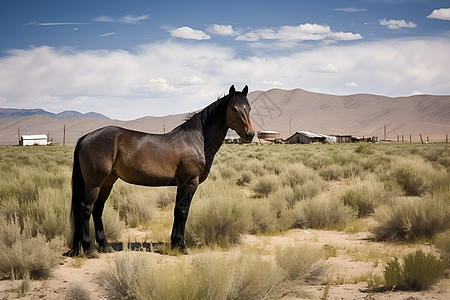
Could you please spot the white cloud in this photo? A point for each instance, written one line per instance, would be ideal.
(106, 34)
(351, 9)
(440, 14)
(55, 23)
(300, 33)
(329, 68)
(351, 84)
(226, 30)
(397, 24)
(189, 33)
(271, 83)
(174, 77)
(345, 36)
(103, 19)
(128, 19)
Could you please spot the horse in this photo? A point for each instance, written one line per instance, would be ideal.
(182, 158)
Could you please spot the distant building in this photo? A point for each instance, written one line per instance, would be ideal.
(344, 139)
(307, 137)
(232, 137)
(36, 139)
(269, 135)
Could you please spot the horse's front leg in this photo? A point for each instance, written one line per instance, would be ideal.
(185, 192)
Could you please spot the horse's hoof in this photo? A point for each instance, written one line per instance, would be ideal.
(70, 253)
(186, 251)
(108, 249)
(93, 253)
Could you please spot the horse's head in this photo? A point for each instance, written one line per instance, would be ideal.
(238, 114)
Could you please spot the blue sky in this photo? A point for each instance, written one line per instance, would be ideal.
(129, 59)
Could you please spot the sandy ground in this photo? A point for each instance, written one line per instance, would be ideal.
(357, 259)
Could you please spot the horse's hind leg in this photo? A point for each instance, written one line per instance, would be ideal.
(86, 211)
(97, 212)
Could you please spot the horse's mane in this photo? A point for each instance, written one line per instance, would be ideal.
(197, 119)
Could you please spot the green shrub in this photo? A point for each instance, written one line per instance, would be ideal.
(421, 270)
(321, 212)
(416, 176)
(113, 225)
(122, 278)
(245, 178)
(218, 216)
(77, 291)
(266, 185)
(332, 172)
(264, 218)
(165, 198)
(132, 203)
(298, 174)
(409, 219)
(442, 242)
(307, 190)
(299, 261)
(285, 195)
(208, 276)
(418, 271)
(364, 148)
(34, 256)
(392, 273)
(280, 208)
(364, 195)
(238, 277)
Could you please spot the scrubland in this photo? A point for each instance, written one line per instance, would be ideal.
(397, 196)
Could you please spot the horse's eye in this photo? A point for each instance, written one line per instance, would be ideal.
(233, 108)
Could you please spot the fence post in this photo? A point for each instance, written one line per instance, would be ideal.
(64, 136)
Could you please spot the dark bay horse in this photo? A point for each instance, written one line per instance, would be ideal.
(182, 158)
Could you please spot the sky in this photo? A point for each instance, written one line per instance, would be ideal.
(130, 59)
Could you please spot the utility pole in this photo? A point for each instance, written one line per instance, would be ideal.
(384, 132)
(18, 134)
(64, 136)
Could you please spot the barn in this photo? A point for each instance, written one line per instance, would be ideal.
(344, 138)
(307, 137)
(36, 139)
(232, 137)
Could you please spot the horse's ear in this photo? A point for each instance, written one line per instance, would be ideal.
(245, 91)
(232, 90)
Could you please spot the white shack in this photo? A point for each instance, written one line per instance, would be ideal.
(36, 139)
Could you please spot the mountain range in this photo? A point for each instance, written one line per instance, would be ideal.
(285, 111)
(19, 113)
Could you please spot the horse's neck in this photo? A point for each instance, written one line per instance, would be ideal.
(214, 131)
(214, 134)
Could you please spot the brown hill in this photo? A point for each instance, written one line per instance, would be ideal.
(357, 115)
(283, 111)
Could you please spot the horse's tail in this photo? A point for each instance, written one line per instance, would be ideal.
(78, 197)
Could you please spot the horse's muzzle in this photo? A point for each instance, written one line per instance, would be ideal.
(248, 136)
